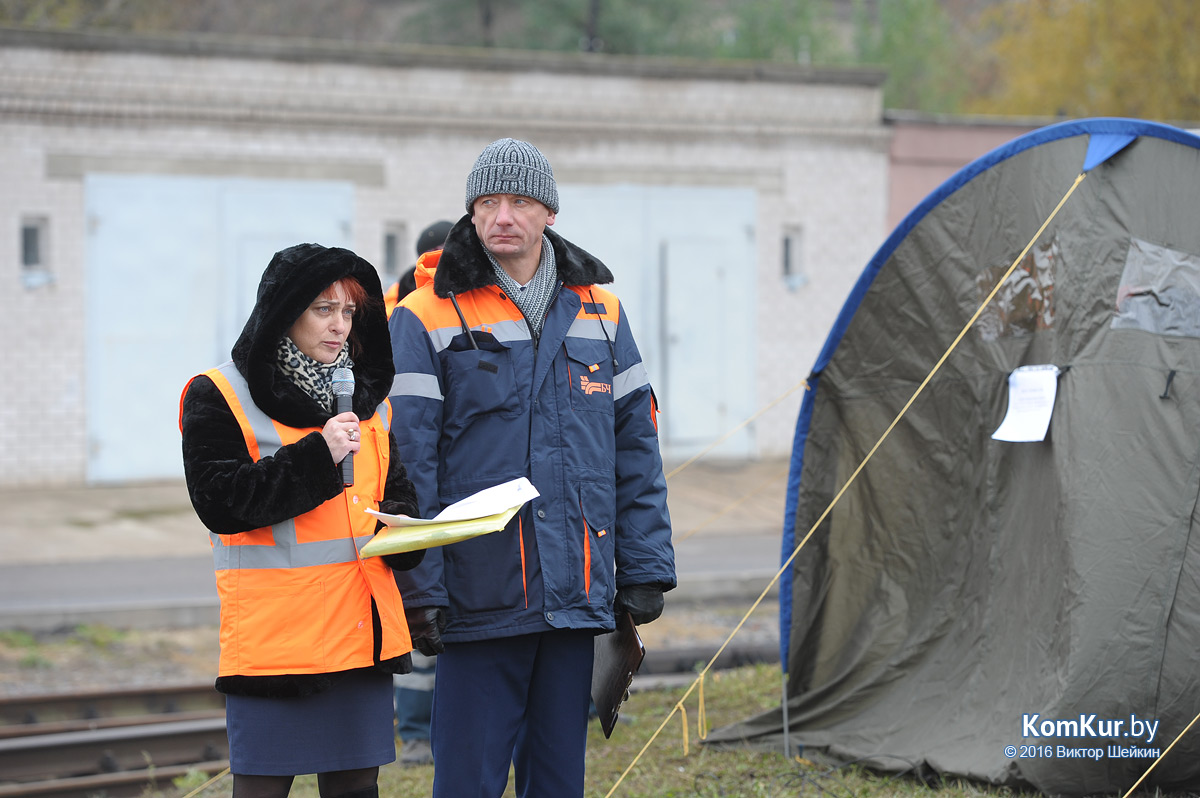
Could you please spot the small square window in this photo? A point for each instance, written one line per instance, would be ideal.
(35, 260)
(794, 275)
(395, 241)
(33, 244)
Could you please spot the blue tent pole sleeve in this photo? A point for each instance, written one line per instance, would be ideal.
(1104, 146)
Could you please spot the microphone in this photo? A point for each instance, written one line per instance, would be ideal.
(343, 391)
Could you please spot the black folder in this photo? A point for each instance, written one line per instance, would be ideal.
(619, 654)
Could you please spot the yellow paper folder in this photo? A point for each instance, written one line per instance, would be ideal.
(487, 511)
(395, 540)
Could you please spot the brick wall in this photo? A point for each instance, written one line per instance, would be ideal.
(404, 127)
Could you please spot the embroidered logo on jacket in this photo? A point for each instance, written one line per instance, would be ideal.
(589, 387)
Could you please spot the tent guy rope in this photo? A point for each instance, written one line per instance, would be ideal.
(726, 436)
(1154, 764)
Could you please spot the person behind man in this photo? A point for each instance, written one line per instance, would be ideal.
(414, 691)
(431, 238)
(311, 632)
(512, 361)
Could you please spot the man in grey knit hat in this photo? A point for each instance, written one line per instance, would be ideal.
(512, 360)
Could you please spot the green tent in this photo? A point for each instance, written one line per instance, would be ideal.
(989, 608)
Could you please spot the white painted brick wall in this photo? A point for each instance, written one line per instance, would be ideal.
(817, 153)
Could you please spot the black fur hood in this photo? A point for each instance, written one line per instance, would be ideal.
(292, 280)
(464, 264)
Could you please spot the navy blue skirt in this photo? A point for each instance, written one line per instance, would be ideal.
(347, 727)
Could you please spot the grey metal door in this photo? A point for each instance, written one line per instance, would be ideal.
(172, 268)
(685, 262)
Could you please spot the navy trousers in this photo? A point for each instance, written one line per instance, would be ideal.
(521, 700)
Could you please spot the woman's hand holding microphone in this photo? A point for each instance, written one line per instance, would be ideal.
(342, 435)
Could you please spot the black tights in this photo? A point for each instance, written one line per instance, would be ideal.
(359, 783)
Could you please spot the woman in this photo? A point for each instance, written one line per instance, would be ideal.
(311, 632)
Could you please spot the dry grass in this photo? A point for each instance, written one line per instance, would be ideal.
(666, 771)
(92, 656)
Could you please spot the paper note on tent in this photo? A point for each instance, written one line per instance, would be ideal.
(1031, 392)
(487, 511)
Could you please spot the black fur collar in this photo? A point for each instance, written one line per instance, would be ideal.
(464, 266)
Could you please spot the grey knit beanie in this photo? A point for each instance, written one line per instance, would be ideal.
(509, 166)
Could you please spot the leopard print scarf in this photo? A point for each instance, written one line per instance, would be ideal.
(311, 376)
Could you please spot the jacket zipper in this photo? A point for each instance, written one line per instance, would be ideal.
(536, 336)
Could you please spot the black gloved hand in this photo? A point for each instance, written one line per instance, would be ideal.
(425, 625)
(404, 561)
(643, 602)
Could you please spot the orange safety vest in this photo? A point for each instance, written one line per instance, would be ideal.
(296, 596)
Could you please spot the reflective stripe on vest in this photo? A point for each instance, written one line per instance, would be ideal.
(285, 551)
(593, 328)
(297, 597)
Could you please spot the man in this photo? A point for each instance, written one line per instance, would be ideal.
(511, 361)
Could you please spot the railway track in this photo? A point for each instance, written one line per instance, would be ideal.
(116, 743)
(113, 743)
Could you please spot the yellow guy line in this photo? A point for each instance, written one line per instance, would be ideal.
(1160, 757)
(698, 682)
(208, 783)
(732, 506)
(725, 437)
(929, 377)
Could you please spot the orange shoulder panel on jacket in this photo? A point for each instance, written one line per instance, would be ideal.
(598, 302)
(480, 307)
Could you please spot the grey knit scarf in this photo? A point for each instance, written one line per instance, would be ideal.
(533, 299)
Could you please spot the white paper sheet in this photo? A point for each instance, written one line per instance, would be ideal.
(486, 502)
(1031, 392)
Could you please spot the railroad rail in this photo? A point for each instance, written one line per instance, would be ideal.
(112, 742)
(116, 743)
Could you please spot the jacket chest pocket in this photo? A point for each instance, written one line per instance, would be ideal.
(479, 381)
(590, 373)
